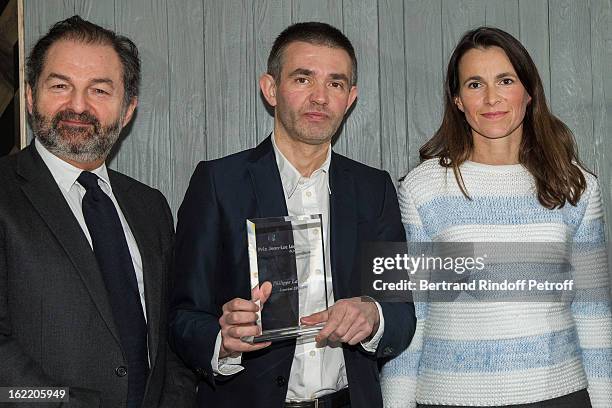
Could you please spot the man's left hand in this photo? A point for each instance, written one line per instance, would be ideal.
(348, 321)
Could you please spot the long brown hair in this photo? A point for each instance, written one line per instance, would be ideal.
(548, 149)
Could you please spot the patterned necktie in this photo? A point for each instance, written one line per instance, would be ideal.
(115, 263)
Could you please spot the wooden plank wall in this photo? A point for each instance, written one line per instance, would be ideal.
(202, 58)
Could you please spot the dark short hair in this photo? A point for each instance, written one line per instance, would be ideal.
(313, 33)
(77, 29)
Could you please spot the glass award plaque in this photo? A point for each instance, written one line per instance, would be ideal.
(287, 252)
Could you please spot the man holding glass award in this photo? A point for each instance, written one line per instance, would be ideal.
(267, 307)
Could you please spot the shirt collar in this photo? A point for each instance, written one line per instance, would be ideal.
(290, 176)
(64, 173)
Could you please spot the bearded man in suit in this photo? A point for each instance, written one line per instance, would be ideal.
(85, 252)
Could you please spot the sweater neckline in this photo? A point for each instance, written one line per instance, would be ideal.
(493, 168)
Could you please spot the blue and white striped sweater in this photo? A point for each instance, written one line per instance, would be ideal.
(496, 353)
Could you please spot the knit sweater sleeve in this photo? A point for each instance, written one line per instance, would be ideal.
(591, 304)
(399, 376)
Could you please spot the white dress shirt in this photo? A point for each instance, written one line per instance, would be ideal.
(315, 371)
(65, 175)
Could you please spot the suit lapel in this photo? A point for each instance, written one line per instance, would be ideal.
(47, 199)
(266, 181)
(142, 227)
(270, 198)
(343, 220)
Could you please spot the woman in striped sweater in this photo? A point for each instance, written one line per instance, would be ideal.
(502, 168)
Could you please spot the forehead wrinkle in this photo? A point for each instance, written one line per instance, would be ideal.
(68, 54)
(324, 45)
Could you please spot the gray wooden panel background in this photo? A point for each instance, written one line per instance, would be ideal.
(202, 59)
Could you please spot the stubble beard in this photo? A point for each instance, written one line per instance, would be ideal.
(312, 135)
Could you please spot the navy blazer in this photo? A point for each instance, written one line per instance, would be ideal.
(213, 268)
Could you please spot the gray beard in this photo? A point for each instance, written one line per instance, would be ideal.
(79, 144)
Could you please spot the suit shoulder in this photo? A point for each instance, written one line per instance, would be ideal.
(126, 182)
(8, 164)
(10, 177)
(361, 170)
(228, 162)
(227, 168)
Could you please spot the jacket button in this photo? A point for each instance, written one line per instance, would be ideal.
(281, 381)
(121, 371)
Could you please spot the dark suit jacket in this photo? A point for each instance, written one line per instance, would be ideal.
(212, 268)
(56, 323)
